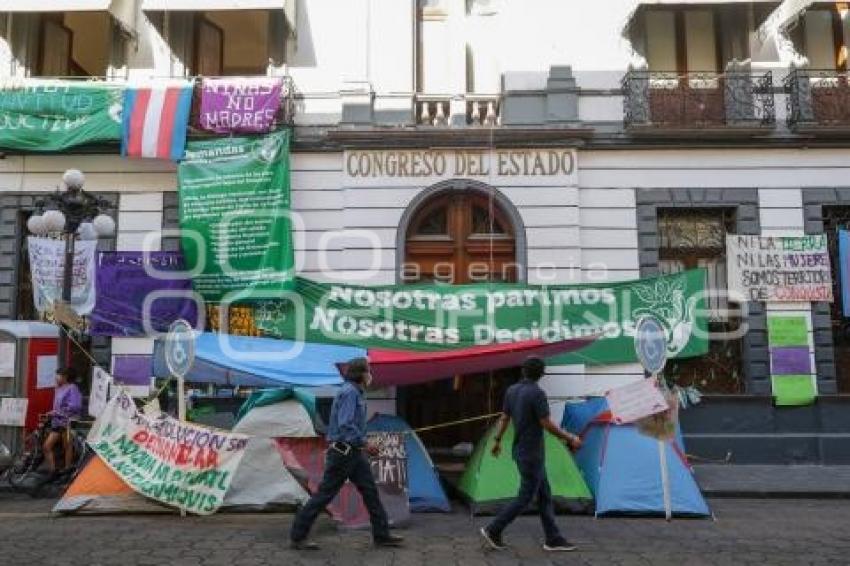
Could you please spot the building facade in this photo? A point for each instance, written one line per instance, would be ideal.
(539, 141)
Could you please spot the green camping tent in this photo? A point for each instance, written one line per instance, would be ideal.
(488, 482)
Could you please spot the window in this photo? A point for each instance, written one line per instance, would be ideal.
(835, 218)
(696, 238)
(217, 43)
(62, 44)
(682, 40)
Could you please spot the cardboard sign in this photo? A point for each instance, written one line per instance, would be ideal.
(7, 359)
(99, 396)
(389, 468)
(45, 372)
(779, 269)
(635, 401)
(13, 411)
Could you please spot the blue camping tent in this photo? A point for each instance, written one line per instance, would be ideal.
(224, 359)
(426, 492)
(623, 467)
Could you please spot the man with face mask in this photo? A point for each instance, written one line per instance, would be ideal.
(345, 460)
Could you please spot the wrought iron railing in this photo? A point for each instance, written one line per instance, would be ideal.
(819, 98)
(698, 100)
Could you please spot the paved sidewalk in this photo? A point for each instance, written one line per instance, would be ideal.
(747, 532)
(802, 481)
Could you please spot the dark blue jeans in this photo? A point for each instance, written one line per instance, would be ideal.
(338, 469)
(533, 482)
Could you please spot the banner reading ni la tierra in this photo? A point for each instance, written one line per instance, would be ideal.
(435, 317)
(779, 268)
(177, 463)
(56, 115)
(240, 104)
(234, 215)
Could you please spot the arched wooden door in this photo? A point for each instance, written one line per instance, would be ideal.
(458, 237)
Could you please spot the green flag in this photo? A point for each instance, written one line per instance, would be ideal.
(440, 317)
(53, 116)
(234, 216)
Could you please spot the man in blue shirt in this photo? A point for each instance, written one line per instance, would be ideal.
(345, 460)
(527, 406)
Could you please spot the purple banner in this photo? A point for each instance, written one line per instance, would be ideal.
(132, 370)
(239, 104)
(790, 361)
(123, 284)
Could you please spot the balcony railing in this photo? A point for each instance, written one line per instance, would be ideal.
(818, 98)
(666, 101)
(462, 110)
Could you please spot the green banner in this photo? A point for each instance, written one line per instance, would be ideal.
(435, 317)
(234, 215)
(54, 116)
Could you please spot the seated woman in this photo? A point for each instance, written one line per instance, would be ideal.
(67, 405)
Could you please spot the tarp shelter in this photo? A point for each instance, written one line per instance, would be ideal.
(488, 482)
(244, 361)
(426, 494)
(401, 367)
(261, 481)
(622, 466)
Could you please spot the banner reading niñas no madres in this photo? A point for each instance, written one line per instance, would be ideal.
(433, 317)
(56, 115)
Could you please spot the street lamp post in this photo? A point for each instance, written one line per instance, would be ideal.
(73, 213)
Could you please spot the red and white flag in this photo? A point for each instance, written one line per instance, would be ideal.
(155, 120)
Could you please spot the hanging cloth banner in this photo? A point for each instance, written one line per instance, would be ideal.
(177, 463)
(779, 268)
(47, 265)
(234, 215)
(155, 120)
(844, 268)
(240, 105)
(57, 115)
(140, 293)
(441, 317)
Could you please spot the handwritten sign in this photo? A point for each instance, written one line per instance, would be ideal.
(177, 463)
(240, 104)
(779, 269)
(45, 372)
(99, 396)
(635, 401)
(389, 469)
(47, 264)
(13, 411)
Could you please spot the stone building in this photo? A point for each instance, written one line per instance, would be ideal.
(534, 140)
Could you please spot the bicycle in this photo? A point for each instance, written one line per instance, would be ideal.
(25, 474)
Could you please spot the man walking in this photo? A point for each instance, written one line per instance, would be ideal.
(527, 406)
(345, 460)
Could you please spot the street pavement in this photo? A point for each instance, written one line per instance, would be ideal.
(758, 532)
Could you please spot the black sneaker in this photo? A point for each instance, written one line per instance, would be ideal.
(559, 546)
(303, 545)
(389, 540)
(493, 541)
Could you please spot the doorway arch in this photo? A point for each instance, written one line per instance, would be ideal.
(468, 209)
(458, 232)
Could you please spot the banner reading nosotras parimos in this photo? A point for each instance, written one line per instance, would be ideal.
(234, 214)
(177, 463)
(779, 268)
(434, 317)
(56, 115)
